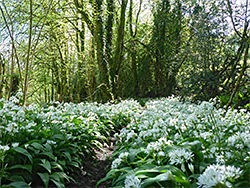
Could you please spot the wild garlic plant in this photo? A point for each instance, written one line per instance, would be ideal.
(197, 139)
(47, 146)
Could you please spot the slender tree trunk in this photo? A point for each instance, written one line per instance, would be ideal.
(26, 79)
(132, 50)
(1, 75)
(11, 34)
(45, 90)
(52, 85)
(109, 31)
(115, 67)
(243, 69)
(102, 65)
(12, 65)
(91, 71)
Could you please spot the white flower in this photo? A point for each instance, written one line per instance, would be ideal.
(209, 178)
(4, 148)
(132, 181)
(116, 163)
(191, 167)
(124, 155)
(51, 142)
(15, 144)
(220, 159)
(161, 153)
(180, 156)
(215, 174)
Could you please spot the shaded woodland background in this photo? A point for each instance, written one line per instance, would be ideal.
(101, 50)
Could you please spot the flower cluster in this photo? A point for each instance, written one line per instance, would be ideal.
(216, 174)
(181, 155)
(132, 181)
(118, 161)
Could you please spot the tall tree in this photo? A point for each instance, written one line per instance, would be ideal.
(116, 63)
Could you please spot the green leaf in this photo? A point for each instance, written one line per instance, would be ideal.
(66, 154)
(133, 153)
(37, 146)
(24, 167)
(46, 164)
(48, 154)
(45, 178)
(56, 165)
(174, 170)
(75, 164)
(58, 137)
(147, 173)
(58, 183)
(114, 173)
(63, 176)
(1, 105)
(158, 178)
(17, 184)
(14, 178)
(57, 178)
(24, 152)
(183, 181)
(107, 177)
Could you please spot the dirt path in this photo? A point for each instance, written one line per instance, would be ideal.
(96, 169)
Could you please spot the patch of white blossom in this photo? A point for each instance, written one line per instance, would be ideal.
(132, 181)
(218, 174)
(180, 155)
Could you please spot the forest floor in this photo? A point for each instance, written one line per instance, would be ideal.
(96, 169)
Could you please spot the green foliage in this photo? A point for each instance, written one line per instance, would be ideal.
(47, 146)
(180, 144)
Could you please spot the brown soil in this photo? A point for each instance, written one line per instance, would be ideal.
(96, 169)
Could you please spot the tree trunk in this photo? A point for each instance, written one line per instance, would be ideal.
(91, 72)
(109, 31)
(26, 78)
(243, 69)
(102, 65)
(115, 67)
(132, 50)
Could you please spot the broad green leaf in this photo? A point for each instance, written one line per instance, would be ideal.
(183, 181)
(58, 183)
(49, 154)
(58, 137)
(24, 167)
(133, 153)
(114, 173)
(17, 184)
(107, 177)
(63, 175)
(120, 178)
(56, 166)
(67, 155)
(45, 178)
(37, 146)
(158, 178)
(149, 173)
(75, 164)
(174, 170)
(24, 152)
(14, 178)
(46, 164)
